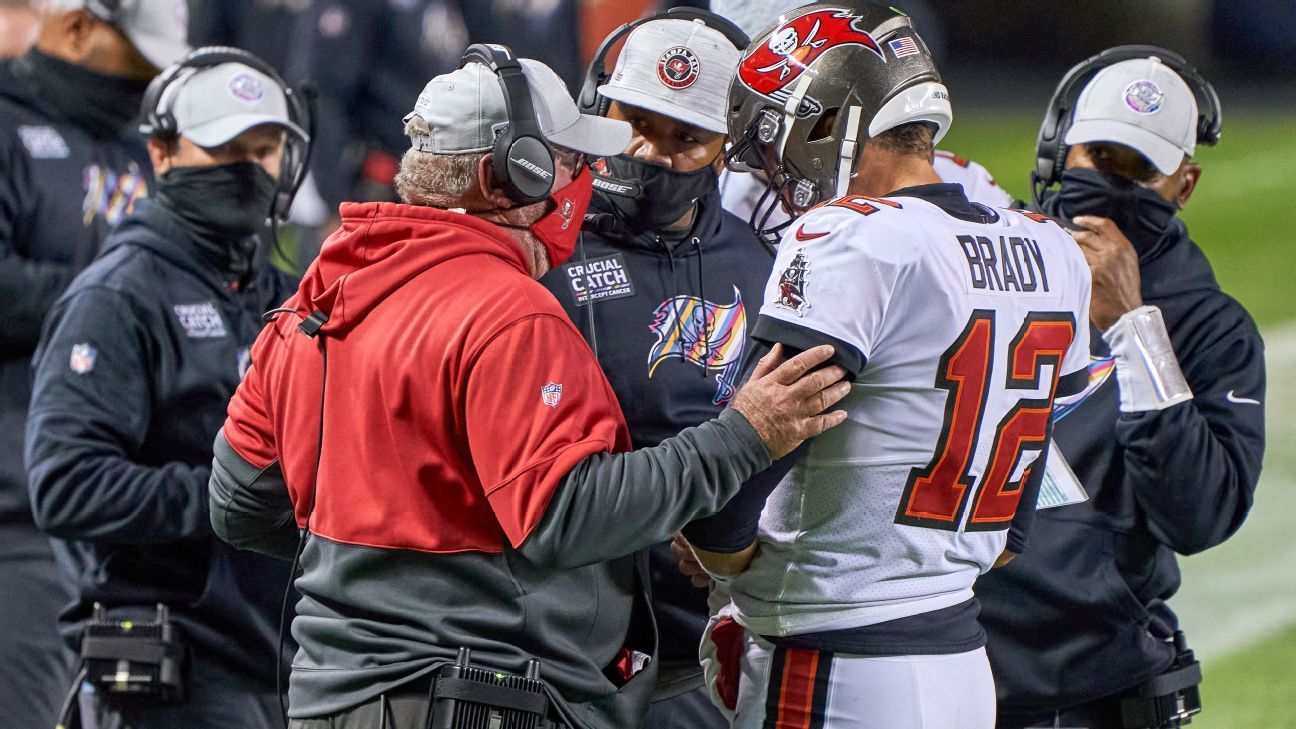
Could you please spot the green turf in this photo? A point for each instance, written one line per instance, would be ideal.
(1239, 214)
(1253, 687)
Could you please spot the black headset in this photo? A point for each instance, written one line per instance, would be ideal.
(591, 102)
(522, 158)
(158, 119)
(1051, 151)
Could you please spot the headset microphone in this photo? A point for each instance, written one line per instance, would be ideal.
(601, 223)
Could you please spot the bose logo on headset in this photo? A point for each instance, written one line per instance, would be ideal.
(532, 167)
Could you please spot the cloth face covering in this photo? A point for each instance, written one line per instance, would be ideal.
(220, 207)
(1140, 213)
(656, 196)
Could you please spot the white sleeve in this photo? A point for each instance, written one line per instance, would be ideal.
(826, 288)
(978, 184)
(1074, 377)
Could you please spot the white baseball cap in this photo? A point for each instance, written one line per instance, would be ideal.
(213, 105)
(678, 68)
(1142, 104)
(158, 29)
(464, 108)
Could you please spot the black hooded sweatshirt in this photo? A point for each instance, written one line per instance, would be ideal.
(1082, 614)
(135, 366)
(669, 321)
(63, 185)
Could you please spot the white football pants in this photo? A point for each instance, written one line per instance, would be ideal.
(793, 688)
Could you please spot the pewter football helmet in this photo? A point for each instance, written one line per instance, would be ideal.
(817, 84)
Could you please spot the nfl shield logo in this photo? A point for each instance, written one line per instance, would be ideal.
(551, 394)
(83, 358)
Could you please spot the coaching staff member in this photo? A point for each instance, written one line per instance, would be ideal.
(1169, 448)
(662, 290)
(135, 366)
(466, 492)
(68, 173)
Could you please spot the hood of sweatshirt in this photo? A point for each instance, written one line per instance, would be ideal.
(381, 247)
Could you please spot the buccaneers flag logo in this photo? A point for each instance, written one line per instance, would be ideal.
(793, 46)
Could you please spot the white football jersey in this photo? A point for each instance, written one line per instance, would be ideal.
(960, 330)
(976, 180)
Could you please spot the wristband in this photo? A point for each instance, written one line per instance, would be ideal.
(1147, 371)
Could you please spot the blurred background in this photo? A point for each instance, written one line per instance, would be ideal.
(1001, 60)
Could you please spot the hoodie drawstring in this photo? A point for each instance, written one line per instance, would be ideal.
(706, 320)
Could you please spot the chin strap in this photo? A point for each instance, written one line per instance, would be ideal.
(849, 148)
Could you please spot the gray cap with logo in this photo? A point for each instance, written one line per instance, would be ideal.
(465, 107)
(157, 28)
(1142, 104)
(213, 105)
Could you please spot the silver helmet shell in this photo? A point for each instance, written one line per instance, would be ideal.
(819, 82)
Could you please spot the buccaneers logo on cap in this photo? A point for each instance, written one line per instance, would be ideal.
(678, 68)
(794, 45)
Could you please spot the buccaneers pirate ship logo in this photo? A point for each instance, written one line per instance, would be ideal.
(792, 285)
(772, 68)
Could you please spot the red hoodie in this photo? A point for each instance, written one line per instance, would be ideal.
(459, 394)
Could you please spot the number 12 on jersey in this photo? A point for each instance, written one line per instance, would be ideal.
(937, 494)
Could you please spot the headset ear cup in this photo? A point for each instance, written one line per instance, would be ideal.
(530, 169)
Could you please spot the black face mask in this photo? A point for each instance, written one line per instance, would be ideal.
(1141, 214)
(221, 208)
(652, 197)
(101, 104)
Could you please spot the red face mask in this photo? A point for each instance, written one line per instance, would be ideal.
(561, 226)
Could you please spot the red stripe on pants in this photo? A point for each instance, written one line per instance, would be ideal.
(796, 695)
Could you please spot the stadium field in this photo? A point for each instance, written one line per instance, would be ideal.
(1238, 603)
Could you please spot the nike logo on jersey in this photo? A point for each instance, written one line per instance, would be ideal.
(1240, 400)
(803, 236)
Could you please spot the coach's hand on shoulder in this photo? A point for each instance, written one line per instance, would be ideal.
(785, 401)
(1114, 264)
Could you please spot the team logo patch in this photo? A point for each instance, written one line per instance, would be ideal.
(599, 279)
(110, 194)
(793, 283)
(565, 210)
(711, 336)
(82, 359)
(200, 321)
(246, 87)
(551, 393)
(794, 46)
(1144, 97)
(678, 68)
(43, 142)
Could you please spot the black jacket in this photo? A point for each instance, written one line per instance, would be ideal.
(62, 188)
(136, 364)
(646, 326)
(1082, 614)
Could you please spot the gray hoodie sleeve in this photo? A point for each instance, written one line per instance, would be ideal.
(610, 504)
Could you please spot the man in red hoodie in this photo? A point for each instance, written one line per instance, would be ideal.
(425, 414)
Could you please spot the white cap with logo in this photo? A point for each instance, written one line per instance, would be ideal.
(678, 68)
(213, 105)
(1142, 104)
(157, 28)
(464, 108)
